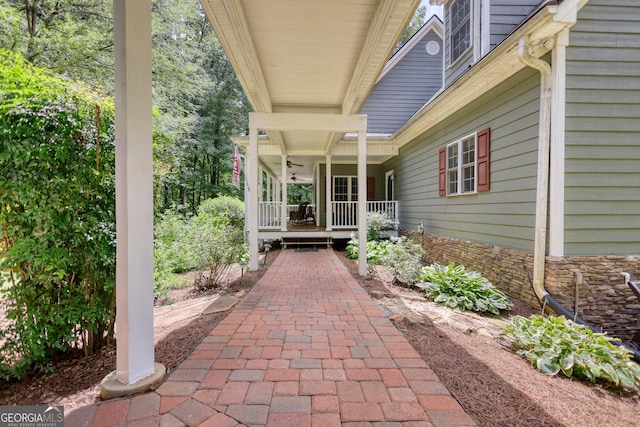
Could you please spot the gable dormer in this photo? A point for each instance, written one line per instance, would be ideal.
(474, 27)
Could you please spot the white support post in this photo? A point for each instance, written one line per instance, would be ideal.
(260, 182)
(134, 197)
(252, 171)
(328, 206)
(283, 209)
(362, 202)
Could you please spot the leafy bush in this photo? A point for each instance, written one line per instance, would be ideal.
(210, 243)
(217, 243)
(57, 217)
(376, 250)
(458, 288)
(377, 224)
(555, 345)
(403, 260)
(229, 209)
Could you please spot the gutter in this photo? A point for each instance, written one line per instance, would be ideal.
(542, 195)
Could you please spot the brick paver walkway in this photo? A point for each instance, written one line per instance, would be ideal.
(306, 347)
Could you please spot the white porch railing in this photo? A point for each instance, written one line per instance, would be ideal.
(269, 216)
(345, 214)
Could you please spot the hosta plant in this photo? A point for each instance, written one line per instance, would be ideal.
(557, 345)
(376, 249)
(456, 287)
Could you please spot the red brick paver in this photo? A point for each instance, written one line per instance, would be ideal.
(306, 347)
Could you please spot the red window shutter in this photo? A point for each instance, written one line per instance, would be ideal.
(371, 188)
(484, 151)
(442, 172)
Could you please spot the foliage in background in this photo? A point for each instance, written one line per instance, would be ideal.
(199, 103)
(456, 287)
(72, 38)
(557, 345)
(414, 25)
(57, 216)
(298, 193)
(210, 244)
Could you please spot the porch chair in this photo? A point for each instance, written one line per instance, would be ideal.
(300, 214)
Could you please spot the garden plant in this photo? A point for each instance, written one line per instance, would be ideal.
(558, 345)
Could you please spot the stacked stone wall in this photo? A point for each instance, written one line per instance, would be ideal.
(593, 284)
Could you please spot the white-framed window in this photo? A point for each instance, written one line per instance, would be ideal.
(460, 24)
(461, 166)
(345, 188)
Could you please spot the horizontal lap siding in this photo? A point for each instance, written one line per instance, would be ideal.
(602, 195)
(505, 16)
(405, 88)
(503, 216)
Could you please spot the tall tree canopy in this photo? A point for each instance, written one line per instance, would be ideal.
(198, 102)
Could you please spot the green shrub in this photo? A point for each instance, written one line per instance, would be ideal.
(230, 209)
(555, 345)
(376, 250)
(217, 245)
(209, 243)
(403, 259)
(57, 217)
(458, 288)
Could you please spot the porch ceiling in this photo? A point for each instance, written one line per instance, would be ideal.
(312, 56)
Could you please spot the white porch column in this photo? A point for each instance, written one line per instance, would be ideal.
(362, 203)
(252, 171)
(135, 367)
(328, 207)
(283, 209)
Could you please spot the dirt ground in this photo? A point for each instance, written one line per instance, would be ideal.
(495, 386)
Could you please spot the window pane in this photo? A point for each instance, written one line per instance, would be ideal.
(469, 151)
(354, 189)
(452, 156)
(340, 189)
(460, 12)
(452, 177)
(468, 184)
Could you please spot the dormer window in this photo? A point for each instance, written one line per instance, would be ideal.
(460, 38)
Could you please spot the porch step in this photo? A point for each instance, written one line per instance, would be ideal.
(307, 241)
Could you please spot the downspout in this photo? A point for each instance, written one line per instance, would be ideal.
(542, 193)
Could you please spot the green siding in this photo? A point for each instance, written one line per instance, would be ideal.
(505, 215)
(602, 191)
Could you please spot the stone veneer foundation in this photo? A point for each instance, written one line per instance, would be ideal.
(593, 284)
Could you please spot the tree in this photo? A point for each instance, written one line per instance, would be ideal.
(74, 39)
(416, 23)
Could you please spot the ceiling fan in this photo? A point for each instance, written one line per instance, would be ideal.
(294, 178)
(290, 164)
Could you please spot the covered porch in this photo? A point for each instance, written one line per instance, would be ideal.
(306, 68)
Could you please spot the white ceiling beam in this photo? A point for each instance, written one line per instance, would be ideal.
(303, 121)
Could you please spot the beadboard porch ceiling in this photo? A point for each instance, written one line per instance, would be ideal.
(311, 56)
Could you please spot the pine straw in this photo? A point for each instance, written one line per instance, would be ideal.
(498, 388)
